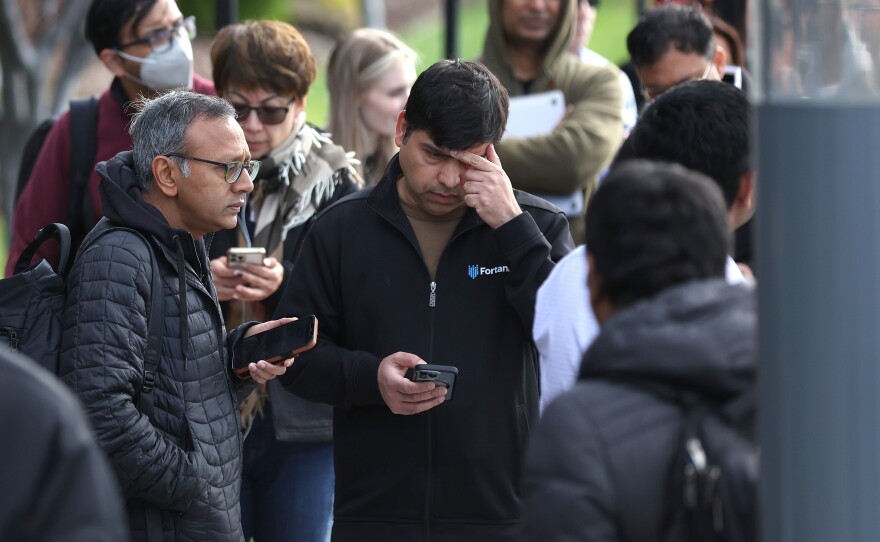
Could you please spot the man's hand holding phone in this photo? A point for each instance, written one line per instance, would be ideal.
(241, 277)
(263, 371)
(402, 395)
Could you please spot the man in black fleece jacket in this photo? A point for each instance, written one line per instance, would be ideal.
(438, 263)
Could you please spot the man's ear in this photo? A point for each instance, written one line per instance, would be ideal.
(164, 169)
(112, 62)
(400, 131)
(743, 205)
(719, 60)
(746, 193)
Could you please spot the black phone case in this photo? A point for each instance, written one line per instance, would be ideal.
(250, 349)
(441, 375)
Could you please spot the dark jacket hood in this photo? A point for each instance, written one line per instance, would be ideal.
(123, 203)
(494, 53)
(699, 337)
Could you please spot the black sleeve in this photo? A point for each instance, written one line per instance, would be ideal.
(327, 373)
(567, 489)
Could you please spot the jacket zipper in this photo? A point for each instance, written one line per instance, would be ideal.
(432, 302)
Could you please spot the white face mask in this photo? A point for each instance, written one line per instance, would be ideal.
(167, 69)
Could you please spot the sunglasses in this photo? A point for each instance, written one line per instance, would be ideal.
(267, 114)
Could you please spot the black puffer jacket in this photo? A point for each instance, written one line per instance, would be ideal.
(188, 462)
(599, 464)
(57, 484)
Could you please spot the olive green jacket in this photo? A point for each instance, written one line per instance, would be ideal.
(571, 157)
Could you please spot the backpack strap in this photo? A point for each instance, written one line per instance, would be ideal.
(57, 231)
(83, 138)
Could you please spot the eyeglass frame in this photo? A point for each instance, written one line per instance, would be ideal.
(260, 110)
(646, 91)
(160, 36)
(227, 165)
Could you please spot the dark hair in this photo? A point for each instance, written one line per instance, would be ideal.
(459, 104)
(684, 27)
(159, 127)
(106, 19)
(653, 225)
(702, 125)
(285, 63)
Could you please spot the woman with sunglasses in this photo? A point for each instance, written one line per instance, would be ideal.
(265, 69)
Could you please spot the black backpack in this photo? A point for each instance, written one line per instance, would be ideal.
(715, 482)
(83, 144)
(32, 303)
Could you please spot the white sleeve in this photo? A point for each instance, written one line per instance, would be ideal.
(564, 324)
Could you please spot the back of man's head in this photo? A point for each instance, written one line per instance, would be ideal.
(106, 19)
(459, 104)
(159, 127)
(702, 125)
(685, 28)
(653, 225)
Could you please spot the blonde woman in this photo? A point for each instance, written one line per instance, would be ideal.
(369, 77)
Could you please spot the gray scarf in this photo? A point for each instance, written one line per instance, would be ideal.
(302, 174)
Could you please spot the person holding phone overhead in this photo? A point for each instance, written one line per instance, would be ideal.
(265, 68)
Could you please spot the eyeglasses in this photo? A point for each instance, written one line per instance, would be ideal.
(161, 39)
(233, 169)
(652, 93)
(267, 114)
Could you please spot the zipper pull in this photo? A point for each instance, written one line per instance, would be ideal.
(432, 300)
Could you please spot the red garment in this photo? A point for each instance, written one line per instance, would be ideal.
(44, 199)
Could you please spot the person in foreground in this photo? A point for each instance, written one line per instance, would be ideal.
(438, 263)
(59, 486)
(600, 465)
(186, 177)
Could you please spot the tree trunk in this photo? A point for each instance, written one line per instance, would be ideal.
(49, 35)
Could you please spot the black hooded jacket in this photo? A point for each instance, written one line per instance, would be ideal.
(187, 462)
(601, 459)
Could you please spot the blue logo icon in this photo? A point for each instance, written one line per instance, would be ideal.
(473, 271)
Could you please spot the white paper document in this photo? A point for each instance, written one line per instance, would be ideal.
(535, 114)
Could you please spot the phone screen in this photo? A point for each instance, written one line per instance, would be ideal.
(278, 343)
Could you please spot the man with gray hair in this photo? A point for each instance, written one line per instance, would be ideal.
(179, 468)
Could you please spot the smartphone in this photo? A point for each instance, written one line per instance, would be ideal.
(236, 256)
(441, 375)
(275, 345)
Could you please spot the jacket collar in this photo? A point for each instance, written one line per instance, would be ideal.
(699, 336)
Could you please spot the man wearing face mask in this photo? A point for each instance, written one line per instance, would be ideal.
(146, 45)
